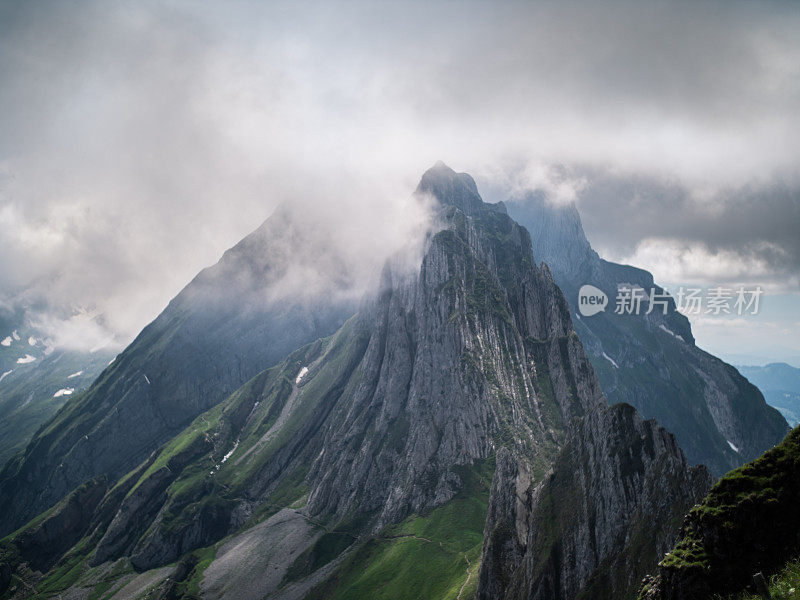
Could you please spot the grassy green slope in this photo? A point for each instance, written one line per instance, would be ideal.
(196, 456)
(434, 556)
(784, 585)
(27, 392)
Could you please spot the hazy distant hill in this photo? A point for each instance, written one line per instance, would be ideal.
(780, 384)
(37, 379)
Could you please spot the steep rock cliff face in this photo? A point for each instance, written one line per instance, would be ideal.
(222, 329)
(451, 366)
(43, 542)
(651, 361)
(595, 524)
(472, 350)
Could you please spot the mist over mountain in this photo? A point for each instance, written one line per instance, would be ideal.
(277, 289)
(258, 342)
(141, 141)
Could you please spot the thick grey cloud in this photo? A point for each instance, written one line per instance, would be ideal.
(752, 231)
(139, 140)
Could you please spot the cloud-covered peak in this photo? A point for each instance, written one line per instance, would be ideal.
(451, 188)
(139, 141)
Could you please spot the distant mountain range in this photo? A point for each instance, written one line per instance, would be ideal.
(780, 384)
(36, 379)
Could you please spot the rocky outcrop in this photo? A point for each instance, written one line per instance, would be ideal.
(598, 522)
(43, 541)
(650, 360)
(748, 523)
(141, 503)
(134, 515)
(506, 530)
(208, 522)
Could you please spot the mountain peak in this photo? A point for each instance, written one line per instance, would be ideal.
(451, 188)
(556, 231)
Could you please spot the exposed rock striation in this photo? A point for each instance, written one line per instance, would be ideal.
(595, 524)
(472, 350)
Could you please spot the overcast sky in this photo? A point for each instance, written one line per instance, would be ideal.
(139, 140)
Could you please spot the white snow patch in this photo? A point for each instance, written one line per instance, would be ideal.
(252, 411)
(78, 374)
(672, 333)
(63, 392)
(301, 374)
(31, 341)
(146, 379)
(3, 376)
(15, 335)
(611, 360)
(6, 341)
(226, 457)
(112, 360)
(734, 448)
(26, 359)
(232, 450)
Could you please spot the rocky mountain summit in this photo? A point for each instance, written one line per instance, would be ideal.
(650, 360)
(415, 452)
